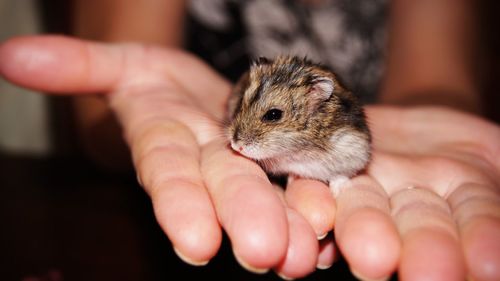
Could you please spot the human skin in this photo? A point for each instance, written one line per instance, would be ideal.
(429, 62)
(428, 200)
(447, 220)
(158, 22)
(430, 59)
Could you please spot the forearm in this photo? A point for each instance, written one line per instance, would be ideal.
(430, 56)
(147, 21)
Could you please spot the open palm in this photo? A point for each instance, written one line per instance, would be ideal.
(429, 198)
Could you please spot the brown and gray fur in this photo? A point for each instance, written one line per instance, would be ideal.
(322, 133)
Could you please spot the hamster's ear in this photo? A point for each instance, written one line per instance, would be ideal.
(321, 90)
(262, 61)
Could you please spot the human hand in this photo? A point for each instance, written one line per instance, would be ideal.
(429, 204)
(169, 105)
(177, 156)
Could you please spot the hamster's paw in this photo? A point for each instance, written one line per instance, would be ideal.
(339, 184)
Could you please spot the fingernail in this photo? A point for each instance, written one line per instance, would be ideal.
(139, 180)
(188, 260)
(321, 236)
(323, 266)
(251, 268)
(363, 278)
(284, 277)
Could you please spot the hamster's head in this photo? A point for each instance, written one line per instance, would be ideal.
(279, 107)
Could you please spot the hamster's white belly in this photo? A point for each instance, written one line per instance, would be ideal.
(348, 154)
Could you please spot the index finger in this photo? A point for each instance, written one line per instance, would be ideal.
(59, 64)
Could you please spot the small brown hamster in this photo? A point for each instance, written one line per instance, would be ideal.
(294, 117)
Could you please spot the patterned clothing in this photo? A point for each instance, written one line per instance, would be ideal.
(347, 35)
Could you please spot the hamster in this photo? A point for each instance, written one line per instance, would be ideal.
(294, 117)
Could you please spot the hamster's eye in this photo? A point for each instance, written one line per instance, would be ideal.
(272, 115)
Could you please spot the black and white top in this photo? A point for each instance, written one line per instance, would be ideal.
(347, 35)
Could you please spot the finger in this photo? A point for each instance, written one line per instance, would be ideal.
(476, 209)
(247, 206)
(303, 250)
(431, 250)
(61, 64)
(364, 230)
(66, 65)
(167, 159)
(314, 201)
(328, 253)
(302, 253)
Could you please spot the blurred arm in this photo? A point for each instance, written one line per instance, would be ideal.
(430, 58)
(149, 21)
(146, 21)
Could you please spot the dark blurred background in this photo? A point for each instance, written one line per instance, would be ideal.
(61, 216)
